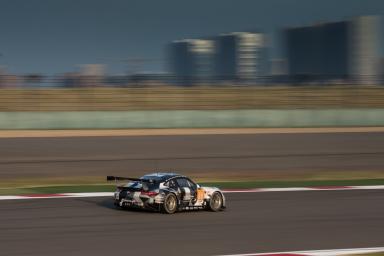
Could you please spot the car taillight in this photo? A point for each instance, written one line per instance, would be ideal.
(149, 193)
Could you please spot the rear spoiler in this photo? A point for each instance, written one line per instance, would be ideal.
(116, 178)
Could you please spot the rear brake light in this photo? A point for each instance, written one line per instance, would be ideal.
(149, 193)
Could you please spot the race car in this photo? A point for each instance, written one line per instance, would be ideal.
(167, 193)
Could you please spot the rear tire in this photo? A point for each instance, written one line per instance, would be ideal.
(170, 204)
(215, 204)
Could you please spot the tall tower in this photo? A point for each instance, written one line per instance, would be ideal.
(240, 56)
(364, 38)
(334, 51)
(191, 60)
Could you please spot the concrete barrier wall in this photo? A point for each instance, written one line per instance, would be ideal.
(192, 119)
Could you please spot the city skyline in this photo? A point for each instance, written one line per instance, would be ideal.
(51, 38)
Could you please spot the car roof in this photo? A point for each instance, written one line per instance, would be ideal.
(160, 176)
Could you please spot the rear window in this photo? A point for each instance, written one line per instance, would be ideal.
(149, 186)
(139, 185)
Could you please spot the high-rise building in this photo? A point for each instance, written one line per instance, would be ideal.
(345, 50)
(278, 67)
(364, 56)
(191, 60)
(241, 56)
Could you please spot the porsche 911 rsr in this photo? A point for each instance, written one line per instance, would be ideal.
(167, 193)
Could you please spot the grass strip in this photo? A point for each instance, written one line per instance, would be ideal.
(223, 185)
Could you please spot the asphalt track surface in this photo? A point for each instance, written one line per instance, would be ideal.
(247, 155)
(253, 222)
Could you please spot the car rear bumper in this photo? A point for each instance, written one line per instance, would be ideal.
(131, 204)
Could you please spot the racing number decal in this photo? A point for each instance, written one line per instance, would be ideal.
(200, 194)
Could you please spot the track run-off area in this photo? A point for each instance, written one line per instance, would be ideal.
(205, 156)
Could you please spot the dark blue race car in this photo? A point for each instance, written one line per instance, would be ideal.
(167, 193)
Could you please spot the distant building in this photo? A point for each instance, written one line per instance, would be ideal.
(149, 79)
(191, 61)
(364, 55)
(91, 75)
(380, 67)
(241, 56)
(319, 52)
(278, 67)
(69, 79)
(278, 71)
(8, 80)
(345, 50)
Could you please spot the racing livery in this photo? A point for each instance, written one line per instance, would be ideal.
(167, 193)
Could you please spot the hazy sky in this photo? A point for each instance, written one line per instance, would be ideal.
(52, 36)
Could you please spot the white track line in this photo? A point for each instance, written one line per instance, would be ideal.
(93, 194)
(335, 252)
(256, 190)
(61, 195)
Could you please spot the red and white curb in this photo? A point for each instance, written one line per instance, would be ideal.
(336, 252)
(255, 190)
(316, 188)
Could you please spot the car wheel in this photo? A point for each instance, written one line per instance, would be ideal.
(216, 202)
(170, 204)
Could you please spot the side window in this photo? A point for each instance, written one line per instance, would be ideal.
(182, 182)
(192, 185)
(172, 184)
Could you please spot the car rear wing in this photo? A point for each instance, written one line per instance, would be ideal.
(116, 178)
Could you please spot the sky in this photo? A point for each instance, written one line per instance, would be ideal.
(55, 36)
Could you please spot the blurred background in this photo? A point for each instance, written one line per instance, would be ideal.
(98, 65)
(135, 55)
